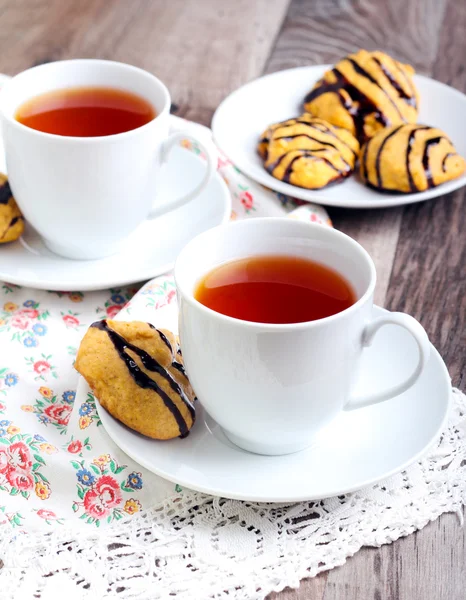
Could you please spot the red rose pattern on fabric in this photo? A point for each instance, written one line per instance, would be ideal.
(247, 201)
(42, 368)
(25, 322)
(21, 465)
(77, 446)
(118, 299)
(100, 488)
(160, 293)
(50, 410)
(71, 320)
(49, 516)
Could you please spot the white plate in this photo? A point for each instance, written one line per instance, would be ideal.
(246, 113)
(150, 250)
(358, 449)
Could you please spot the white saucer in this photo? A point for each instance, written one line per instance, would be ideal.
(246, 113)
(150, 250)
(358, 449)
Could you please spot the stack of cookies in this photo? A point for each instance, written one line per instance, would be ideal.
(362, 110)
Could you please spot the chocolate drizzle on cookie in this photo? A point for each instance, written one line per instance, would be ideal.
(312, 123)
(411, 142)
(379, 155)
(325, 129)
(345, 81)
(356, 103)
(409, 147)
(144, 381)
(175, 364)
(408, 98)
(314, 139)
(445, 158)
(309, 139)
(310, 154)
(164, 339)
(364, 171)
(179, 367)
(11, 224)
(358, 69)
(5, 192)
(11, 219)
(14, 220)
(304, 154)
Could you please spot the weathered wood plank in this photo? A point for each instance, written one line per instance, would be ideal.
(202, 50)
(429, 272)
(428, 277)
(422, 245)
(428, 565)
(377, 231)
(310, 589)
(322, 32)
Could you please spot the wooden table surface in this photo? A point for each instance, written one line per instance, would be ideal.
(203, 50)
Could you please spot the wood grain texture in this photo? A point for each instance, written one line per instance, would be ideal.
(420, 257)
(317, 592)
(377, 231)
(429, 271)
(428, 276)
(202, 50)
(322, 31)
(428, 565)
(206, 48)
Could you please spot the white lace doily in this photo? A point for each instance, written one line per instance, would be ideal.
(200, 548)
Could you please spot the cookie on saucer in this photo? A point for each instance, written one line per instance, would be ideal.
(11, 219)
(409, 158)
(136, 371)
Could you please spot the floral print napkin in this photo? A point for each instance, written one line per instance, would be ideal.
(57, 464)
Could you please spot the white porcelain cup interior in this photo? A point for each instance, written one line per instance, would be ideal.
(273, 388)
(84, 196)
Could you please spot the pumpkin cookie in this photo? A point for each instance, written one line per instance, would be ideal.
(364, 93)
(308, 152)
(11, 219)
(137, 373)
(263, 145)
(409, 158)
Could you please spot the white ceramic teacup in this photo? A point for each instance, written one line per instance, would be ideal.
(85, 195)
(272, 388)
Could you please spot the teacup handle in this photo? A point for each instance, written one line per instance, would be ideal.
(211, 162)
(423, 344)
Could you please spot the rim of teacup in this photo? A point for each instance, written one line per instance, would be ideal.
(9, 83)
(188, 295)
